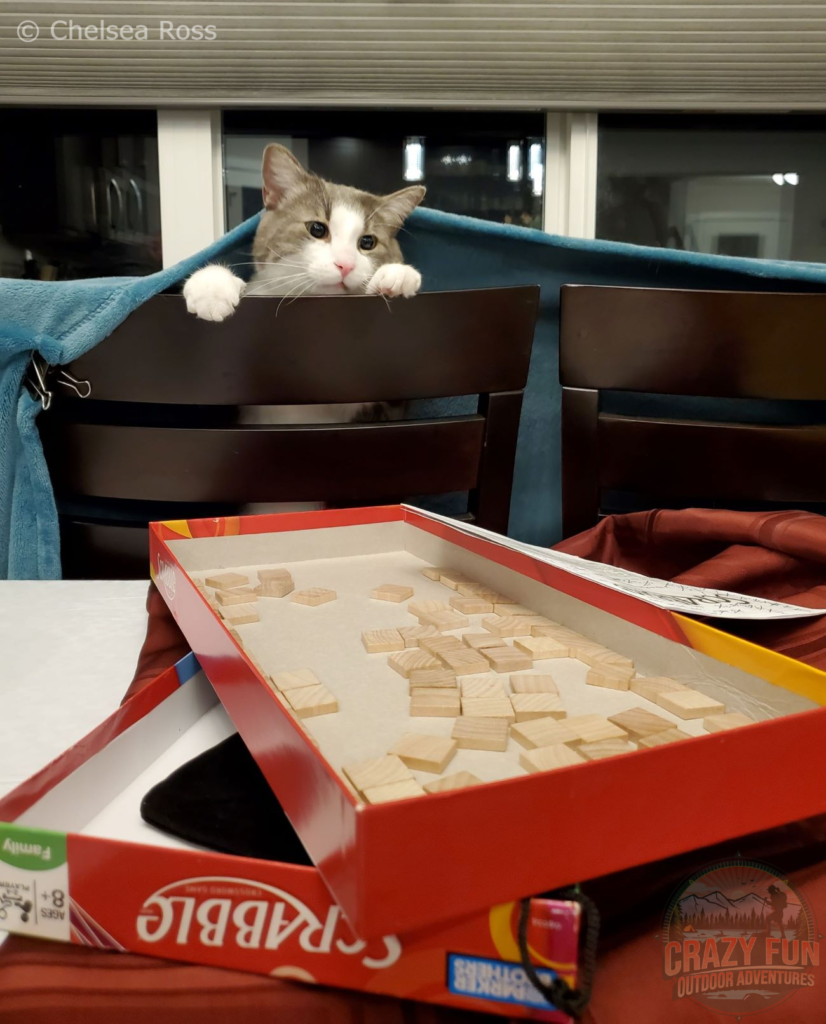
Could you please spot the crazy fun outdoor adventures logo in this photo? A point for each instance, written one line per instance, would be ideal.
(739, 938)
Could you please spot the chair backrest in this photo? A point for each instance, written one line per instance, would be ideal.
(162, 434)
(732, 345)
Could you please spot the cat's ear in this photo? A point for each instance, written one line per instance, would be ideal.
(280, 173)
(398, 206)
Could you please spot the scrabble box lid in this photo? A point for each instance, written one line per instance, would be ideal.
(535, 823)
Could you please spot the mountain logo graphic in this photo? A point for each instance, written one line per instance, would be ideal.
(739, 937)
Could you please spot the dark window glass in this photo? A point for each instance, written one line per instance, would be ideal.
(488, 165)
(79, 193)
(731, 185)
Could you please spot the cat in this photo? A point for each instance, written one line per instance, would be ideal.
(315, 238)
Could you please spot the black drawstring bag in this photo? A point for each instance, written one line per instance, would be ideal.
(221, 800)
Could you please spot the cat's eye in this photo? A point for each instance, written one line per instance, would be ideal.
(367, 242)
(317, 229)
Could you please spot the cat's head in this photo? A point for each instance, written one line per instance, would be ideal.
(320, 237)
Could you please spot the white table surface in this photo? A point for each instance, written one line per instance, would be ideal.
(68, 651)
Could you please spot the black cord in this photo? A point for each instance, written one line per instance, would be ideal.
(559, 993)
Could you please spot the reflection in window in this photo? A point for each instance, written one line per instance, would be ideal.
(734, 186)
(477, 164)
(79, 193)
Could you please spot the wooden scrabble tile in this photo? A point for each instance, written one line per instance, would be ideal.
(543, 732)
(464, 662)
(529, 706)
(432, 678)
(533, 683)
(509, 608)
(610, 659)
(227, 581)
(239, 614)
(668, 736)
(481, 733)
(480, 687)
(427, 607)
(460, 780)
(436, 644)
(314, 596)
(433, 572)
(609, 677)
(444, 620)
(391, 592)
(242, 595)
(604, 748)
(719, 723)
(591, 728)
(404, 662)
(690, 704)
(488, 707)
(597, 656)
(585, 649)
(481, 590)
(295, 679)
(452, 579)
(377, 771)
(506, 659)
(561, 633)
(380, 641)
(426, 702)
(507, 625)
(412, 635)
(276, 587)
(478, 641)
(547, 759)
(541, 648)
(650, 687)
(550, 629)
(265, 575)
(393, 791)
(424, 753)
(471, 605)
(310, 701)
(639, 723)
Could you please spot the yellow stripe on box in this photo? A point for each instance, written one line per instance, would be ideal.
(775, 668)
(179, 526)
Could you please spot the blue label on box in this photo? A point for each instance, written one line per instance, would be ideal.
(187, 667)
(495, 979)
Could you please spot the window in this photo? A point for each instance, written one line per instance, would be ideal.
(79, 194)
(731, 185)
(487, 165)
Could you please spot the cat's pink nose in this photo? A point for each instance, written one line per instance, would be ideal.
(344, 267)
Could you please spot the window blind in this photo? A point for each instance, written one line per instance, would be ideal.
(569, 54)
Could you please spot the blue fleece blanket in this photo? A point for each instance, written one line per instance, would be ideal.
(62, 320)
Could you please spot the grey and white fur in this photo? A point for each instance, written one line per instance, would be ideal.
(315, 238)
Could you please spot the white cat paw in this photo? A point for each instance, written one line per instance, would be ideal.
(395, 279)
(213, 292)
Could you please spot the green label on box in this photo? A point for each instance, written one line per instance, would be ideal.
(32, 849)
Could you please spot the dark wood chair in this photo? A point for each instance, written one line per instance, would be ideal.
(696, 344)
(160, 436)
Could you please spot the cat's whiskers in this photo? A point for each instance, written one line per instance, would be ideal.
(289, 293)
(281, 258)
(270, 285)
